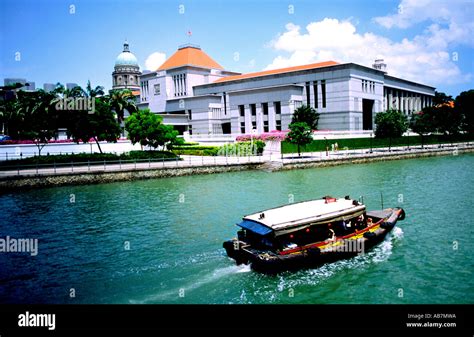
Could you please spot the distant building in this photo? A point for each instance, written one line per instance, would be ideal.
(10, 81)
(71, 86)
(49, 87)
(195, 94)
(28, 85)
(31, 86)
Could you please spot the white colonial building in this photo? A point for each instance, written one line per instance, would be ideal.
(195, 94)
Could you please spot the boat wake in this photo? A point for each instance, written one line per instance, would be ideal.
(317, 276)
(171, 295)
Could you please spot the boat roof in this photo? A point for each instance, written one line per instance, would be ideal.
(303, 213)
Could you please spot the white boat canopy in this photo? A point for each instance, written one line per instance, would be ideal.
(292, 217)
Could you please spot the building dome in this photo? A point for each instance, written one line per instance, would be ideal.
(126, 74)
(126, 58)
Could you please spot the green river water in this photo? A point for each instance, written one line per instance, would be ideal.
(174, 229)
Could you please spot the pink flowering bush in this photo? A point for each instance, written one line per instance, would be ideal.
(266, 136)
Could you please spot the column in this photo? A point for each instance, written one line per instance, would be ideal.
(390, 99)
(399, 100)
(271, 117)
(248, 119)
(259, 118)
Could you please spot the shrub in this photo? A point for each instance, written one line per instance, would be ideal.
(88, 157)
(242, 149)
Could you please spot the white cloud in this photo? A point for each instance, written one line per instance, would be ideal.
(154, 61)
(424, 58)
(452, 19)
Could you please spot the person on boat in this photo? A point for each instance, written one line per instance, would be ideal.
(369, 222)
(332, 235)
(360, 223)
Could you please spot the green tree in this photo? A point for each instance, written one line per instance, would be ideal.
(40, 118)
(146, 128)
(464, 104)
(100, 125)
(422, 123)
(11, 115)
(447, 120)
(441, 97)
(94, 92)
(300, 134)
(306, 114)
(121, 100)
(390, 124)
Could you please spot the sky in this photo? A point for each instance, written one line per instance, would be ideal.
(50, 41)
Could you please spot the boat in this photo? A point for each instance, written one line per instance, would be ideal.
(308, 234)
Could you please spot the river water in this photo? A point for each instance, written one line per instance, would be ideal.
(160, 241)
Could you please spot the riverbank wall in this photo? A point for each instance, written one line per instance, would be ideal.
(25, 182)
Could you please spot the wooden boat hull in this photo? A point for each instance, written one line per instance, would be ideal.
(315, 255)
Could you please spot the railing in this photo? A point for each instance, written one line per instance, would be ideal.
(345, 153)
(200, 161)
(28, 154)
(127, 165)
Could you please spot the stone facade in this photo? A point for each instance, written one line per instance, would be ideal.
(204, 99)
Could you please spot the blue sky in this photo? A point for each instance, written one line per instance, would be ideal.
(432, 42)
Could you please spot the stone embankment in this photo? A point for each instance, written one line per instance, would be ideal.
(22, 182)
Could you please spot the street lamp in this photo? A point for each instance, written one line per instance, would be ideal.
(327, 148)
(408, 136)
(370, 142)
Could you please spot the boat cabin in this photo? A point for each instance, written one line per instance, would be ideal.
(299, 224)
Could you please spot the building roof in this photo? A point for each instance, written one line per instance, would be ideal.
(190, 55)
(276, 71)
(298, 214)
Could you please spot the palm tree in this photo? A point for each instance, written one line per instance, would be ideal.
(93, 92)
(121, 100)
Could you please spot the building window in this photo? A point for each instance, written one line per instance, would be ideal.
(265, 126)
(277, 106)
(315, 90)
(323, 92)
(253, 109)
(157, 89)
(242, 127)
(308, 95)
(278, 125)
(242, 110)
(179, 82)
(190, 114)
(265, 109)
(254, 125)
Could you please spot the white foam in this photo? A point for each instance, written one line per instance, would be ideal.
(378, 254)
(206, 279)
(397, 233)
